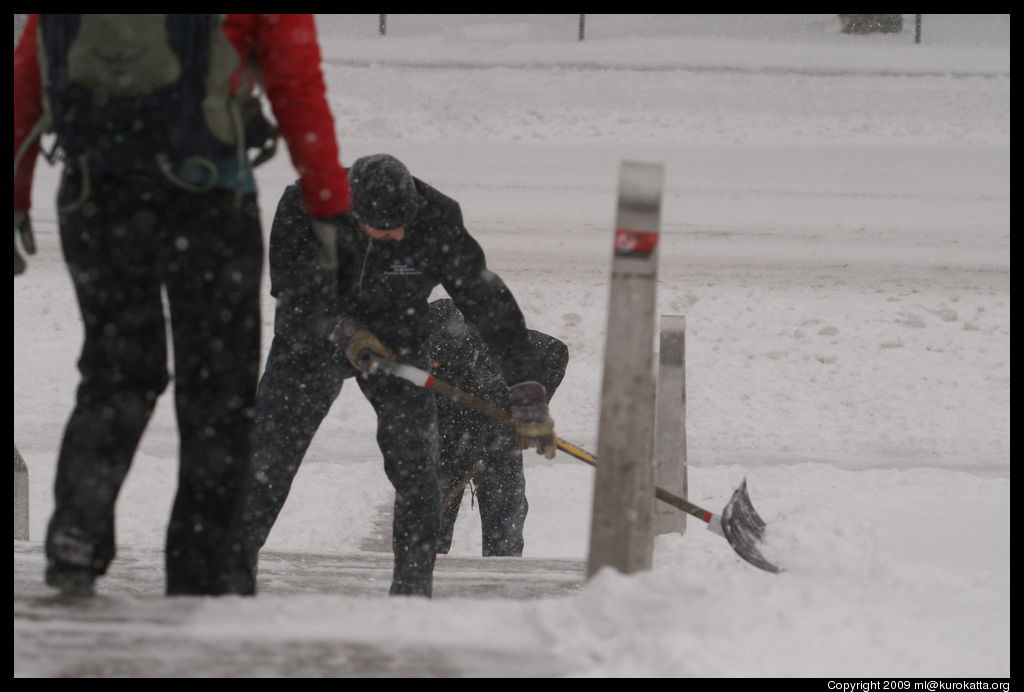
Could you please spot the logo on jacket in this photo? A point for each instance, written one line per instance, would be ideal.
(406, 268)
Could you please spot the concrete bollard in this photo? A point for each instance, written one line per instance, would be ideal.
(20, 497)
(622, 524)
(670, 430)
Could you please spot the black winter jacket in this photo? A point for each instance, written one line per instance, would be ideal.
(393, 281)
(459, 357)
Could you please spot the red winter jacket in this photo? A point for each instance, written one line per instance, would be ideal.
(286, 50)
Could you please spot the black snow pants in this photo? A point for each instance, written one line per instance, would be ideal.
(131, 238)
(469, 440)
(303, 376)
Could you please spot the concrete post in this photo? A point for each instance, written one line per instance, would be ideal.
(622, 525)
(670, 432)
(20, 497)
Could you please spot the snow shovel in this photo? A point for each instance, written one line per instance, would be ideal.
(739, 523)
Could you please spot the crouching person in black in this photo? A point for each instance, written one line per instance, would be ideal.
(475, 446)
(404, 239)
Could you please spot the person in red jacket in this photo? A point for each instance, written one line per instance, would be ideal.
(158, 197)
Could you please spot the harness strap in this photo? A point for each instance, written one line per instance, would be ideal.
(83, 166)
(33, 136)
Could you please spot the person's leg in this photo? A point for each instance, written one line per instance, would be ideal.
(212, 274)
(301, 380)
(501, 493)
(453, 461)
(407, 435)
(110, 247)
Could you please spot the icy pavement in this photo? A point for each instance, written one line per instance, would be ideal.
(316, 615)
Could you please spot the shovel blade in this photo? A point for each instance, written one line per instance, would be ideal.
(744, 529)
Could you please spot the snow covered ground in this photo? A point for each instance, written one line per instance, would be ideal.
(837, 234)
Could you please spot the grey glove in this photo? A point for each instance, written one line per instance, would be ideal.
(532, 420)
(23, 230)
(337, 249)
(326, 232)
(354, 339)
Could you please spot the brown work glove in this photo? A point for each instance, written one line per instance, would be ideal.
(532, 420)
(356, 341)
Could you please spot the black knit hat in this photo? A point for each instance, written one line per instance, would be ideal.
(383, 192)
